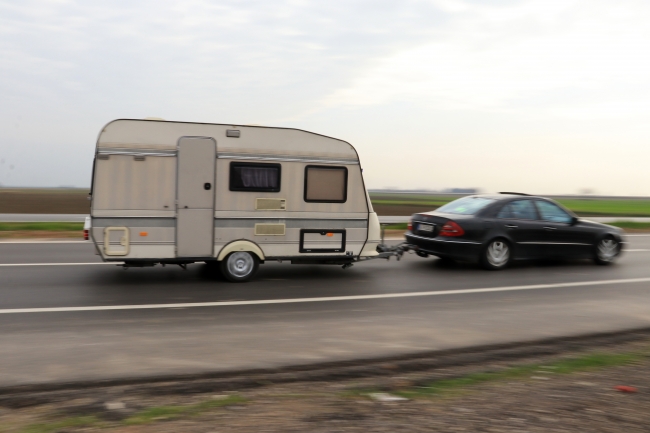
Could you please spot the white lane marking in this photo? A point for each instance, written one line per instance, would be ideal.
(61, 264)
(324, 299)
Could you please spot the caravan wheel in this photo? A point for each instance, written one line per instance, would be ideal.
(240, 266)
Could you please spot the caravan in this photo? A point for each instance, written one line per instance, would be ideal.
(228, 195)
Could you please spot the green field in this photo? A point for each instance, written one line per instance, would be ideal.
(633, 208)
(581, 206)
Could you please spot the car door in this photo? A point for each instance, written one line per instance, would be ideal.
(520, 221)
(563, 238)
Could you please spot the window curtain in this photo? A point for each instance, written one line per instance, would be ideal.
(259, 177)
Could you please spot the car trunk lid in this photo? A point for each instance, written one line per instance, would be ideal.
(428, 224)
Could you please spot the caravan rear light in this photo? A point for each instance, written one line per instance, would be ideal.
(87, 226)
(451, 229)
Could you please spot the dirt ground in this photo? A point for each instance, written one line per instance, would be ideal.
(586, 400)
(44, 201)
(75, 201)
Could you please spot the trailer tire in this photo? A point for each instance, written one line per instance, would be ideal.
(239, 266)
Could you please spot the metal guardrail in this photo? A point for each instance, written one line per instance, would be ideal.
(35, 218)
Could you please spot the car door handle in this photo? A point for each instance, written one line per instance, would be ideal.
(511, 226)
(550, 229)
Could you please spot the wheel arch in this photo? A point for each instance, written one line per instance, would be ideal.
(241, 245)
(609, 233)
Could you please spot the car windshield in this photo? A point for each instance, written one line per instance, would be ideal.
(466, 205)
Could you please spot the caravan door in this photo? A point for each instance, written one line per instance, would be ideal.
(195, 197)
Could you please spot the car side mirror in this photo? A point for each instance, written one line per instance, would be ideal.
(574, 221)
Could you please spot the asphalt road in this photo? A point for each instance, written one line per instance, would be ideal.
(66, 317)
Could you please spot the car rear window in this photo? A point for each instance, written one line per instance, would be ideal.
(466, 205)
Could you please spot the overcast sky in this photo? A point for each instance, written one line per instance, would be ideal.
(533, 96)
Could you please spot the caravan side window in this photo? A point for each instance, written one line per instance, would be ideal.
(249, 176)
(326, 184)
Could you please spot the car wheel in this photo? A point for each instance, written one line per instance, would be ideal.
(607, 250)
(496, 255)
(240, 266)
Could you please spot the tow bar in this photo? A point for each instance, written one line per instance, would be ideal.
(386, 251)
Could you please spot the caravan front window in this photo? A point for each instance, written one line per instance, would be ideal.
(245, 176)
(326, 184)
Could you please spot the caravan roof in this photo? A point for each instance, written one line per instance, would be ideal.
(130, 135)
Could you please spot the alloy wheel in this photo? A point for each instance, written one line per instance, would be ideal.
(498, 253)
(240, 264)
(607, 250)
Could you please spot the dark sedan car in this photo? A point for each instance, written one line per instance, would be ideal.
(495, 229)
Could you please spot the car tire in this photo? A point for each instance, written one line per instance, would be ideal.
(606, 251)
(239, 266)
(496, 255)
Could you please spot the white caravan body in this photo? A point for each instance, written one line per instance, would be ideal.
(180, 192)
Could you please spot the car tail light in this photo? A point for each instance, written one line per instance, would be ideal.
(451, 229)
(409, 226)
(85, 235)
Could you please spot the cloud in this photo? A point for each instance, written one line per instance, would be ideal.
(457, 73)
(560, 57)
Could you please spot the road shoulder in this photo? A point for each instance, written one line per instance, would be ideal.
(594, 383)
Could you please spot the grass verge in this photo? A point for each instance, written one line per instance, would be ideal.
(564, 366)
(63, 425)
(41, 226)
(145, 416)
(631, 225)
(161, 413)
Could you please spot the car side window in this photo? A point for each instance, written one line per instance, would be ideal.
(552, 212)
(518, 209)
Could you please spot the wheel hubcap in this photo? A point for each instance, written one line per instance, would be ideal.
(240, 264)
(498, 253)
(607, 250)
